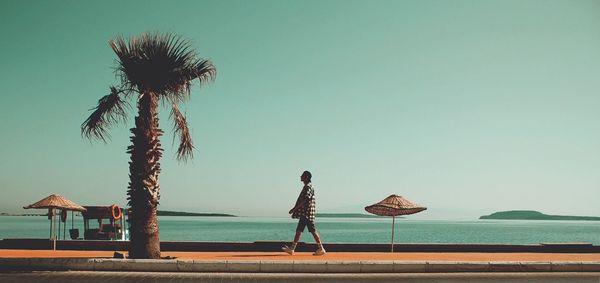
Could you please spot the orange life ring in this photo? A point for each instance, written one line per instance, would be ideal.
(116, 212)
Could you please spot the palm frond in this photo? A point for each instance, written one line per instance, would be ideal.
(110, 110)
(164, 64)
(205, 71)
(180, 129)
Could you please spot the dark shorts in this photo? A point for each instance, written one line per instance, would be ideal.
(304, 222)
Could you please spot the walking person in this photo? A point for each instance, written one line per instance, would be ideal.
(304, 211)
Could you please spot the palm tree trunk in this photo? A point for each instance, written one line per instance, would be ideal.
(144, 192)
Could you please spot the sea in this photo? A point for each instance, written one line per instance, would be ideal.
(339, 230)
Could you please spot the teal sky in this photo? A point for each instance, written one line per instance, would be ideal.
(466, 107)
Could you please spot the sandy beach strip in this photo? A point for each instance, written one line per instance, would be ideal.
(342, 256)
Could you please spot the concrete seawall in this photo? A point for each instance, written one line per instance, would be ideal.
(275, 246)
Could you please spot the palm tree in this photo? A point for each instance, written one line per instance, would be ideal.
(152, 68)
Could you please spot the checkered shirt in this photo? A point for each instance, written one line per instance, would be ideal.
(308, 197)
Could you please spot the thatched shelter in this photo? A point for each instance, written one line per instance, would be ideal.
(393, 206)
(52, 203)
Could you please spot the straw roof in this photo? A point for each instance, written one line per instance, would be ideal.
(394, 205)
(56, 201)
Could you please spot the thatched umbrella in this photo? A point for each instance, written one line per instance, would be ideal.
(52, 203)
(393, 206)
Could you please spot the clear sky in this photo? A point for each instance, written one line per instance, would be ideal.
(466, 107)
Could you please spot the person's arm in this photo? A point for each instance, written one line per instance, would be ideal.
(298, 206)
(300, 202)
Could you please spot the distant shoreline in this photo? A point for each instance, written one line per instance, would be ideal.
(159, 213)
(534, 215)
(23, 214)
(180, 213)
(346, 215)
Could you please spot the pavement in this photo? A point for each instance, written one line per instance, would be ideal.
(332, 256)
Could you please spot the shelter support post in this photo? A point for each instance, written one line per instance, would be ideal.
(393, 224)
(54, 220)
(50, 216)
(64, 225)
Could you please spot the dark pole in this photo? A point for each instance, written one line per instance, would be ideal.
(393, 222)
(65, 228)
(53, 217)
(49, 217)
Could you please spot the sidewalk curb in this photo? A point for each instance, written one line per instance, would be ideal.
(285, 266)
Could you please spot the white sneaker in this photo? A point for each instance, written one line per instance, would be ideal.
(288, 250)
(320, 251)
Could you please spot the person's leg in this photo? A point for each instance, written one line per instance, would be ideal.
(297, 237)
(299, 229)
(313, 230)
(317, 237)
(296, 240)
(302, 222)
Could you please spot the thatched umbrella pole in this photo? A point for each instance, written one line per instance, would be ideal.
(72, 223)
(53, 220)
(65, 226)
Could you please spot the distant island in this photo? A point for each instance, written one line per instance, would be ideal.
(346, 215)
(179, 213)
(533, 215)
(19, 214)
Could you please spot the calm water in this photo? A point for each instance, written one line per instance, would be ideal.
(341, 230)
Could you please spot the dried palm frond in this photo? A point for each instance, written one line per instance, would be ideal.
(180, 128)
(110, 110)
